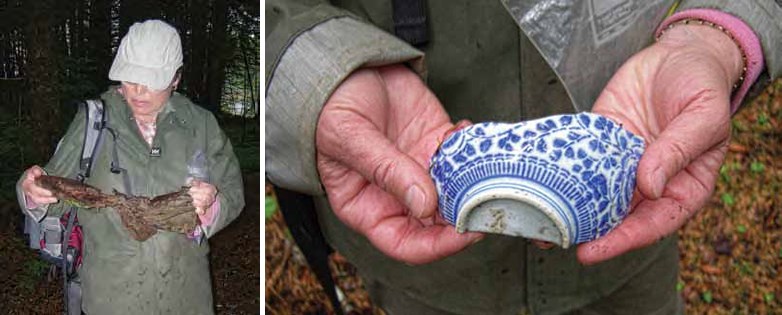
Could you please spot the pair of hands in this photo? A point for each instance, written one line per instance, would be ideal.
(379, 129)
(203, 193)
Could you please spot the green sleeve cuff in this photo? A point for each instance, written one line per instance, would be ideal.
(309, 70)
(286, 20)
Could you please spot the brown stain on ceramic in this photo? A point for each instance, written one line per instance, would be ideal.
(498, 220)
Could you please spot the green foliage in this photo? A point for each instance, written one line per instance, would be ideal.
(35, 267)
(745, 268)
(741, 229)
(245, 138)
(78, 83)
(727, 199)
(271, 206)
(706, 296)
(15, 153)
(757, 167)
(240, 131)
(768, 297)
(738, 126)
(249, 158)
(31, 273)
(762, 119)
(679, 286)
(75, 203)
(242, 90)
(724, 173)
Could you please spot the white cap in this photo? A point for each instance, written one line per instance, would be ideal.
(149, 54)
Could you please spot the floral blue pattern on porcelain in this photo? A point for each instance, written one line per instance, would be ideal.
(578, 169)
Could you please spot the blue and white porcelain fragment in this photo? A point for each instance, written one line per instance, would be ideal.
(565, 179)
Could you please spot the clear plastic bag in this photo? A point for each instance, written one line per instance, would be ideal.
(197, 167)
(585, 42)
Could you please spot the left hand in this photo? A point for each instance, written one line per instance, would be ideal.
(675, 94)
(204, 195)
(375, 138)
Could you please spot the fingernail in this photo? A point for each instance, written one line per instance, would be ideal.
(415, 200)
(658, 180)
(476, 240)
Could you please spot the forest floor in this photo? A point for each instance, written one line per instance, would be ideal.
(26, 287)
(731, 251)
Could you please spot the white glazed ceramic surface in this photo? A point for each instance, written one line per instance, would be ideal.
(566, 179)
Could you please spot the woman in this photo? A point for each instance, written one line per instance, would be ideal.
(163, 142)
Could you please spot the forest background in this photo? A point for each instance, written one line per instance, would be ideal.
(55, 53)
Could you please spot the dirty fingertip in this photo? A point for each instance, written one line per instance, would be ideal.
(543, 244)
(475, 237)
(592, 252)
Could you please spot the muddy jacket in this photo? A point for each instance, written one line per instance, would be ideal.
(168, 273)
(482, 63)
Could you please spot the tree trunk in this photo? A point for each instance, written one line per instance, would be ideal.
(5, 54)
(175, 13)
(219, 54)
(194, 74)
(77, 34)
(245, 86)
(42, 75)
(100, 41)
(132, 11)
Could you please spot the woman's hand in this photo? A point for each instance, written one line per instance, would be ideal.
(36, 194)
(675, 94)
(375, 137)
(204, 195)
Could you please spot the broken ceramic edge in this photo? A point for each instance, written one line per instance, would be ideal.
(514, 210)
(566, 179)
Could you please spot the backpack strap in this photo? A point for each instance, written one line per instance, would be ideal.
(410, 21)
(93, 134)
(300, 216)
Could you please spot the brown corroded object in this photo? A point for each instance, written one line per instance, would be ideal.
(73, 191)
(131, 210)
(141, 216)
(173, 212)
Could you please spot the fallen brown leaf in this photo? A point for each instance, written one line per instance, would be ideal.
(712, 270)
(737, 148)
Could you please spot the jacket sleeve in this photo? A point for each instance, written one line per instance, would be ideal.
(310, 48)
(64, 163)
(225, 174)
(763, 16)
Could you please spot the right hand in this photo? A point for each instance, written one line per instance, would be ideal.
(34, 193)
(375, 137)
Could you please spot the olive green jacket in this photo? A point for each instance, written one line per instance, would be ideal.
(482, 66)
(168, 273)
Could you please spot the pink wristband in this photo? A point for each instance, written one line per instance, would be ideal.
(206, 220)
(742, 35)
(211, 213)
